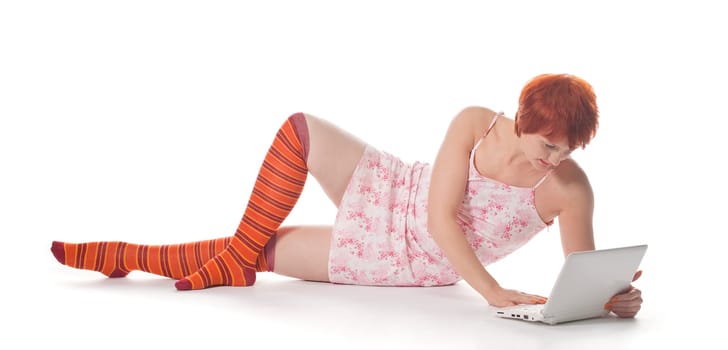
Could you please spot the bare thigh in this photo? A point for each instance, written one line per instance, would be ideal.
(332, 156)
(303, 252)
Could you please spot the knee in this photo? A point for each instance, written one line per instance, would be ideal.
(300, 128)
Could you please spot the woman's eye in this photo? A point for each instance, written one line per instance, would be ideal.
(549, 146)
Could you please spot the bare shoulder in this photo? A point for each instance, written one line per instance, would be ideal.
(572, 183)
(476, 113)
(474, 118)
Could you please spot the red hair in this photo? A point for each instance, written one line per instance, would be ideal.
(558, 106)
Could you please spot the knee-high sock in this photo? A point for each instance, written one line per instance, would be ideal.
(276, 190)
(117, 259)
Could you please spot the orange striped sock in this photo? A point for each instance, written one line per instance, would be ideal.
(276, 190)
(117, 259)
(266, 259)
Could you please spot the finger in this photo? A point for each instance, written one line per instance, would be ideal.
(625, 307)
(536, 299)
(626, 311)
(626, 314)
(626, 303)
(631, 294)
(626, 300)
(637, 275)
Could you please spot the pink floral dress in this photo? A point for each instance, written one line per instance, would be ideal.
(380, 234)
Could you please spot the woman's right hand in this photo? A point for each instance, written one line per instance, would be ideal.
(500, 297)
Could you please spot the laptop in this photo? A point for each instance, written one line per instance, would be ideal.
(586, 282)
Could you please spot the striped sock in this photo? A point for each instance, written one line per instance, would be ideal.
(117, 259)
(276, 190)
(267, 258)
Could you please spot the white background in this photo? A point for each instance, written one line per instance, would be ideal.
(146, 121)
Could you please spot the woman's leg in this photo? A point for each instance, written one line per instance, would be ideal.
(302, 252)
(117, 259)
(303, 144)
(333, 156)
(277, 188)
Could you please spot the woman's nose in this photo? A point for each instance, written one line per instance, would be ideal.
(555, 159)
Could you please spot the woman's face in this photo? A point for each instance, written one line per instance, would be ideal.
(543, 153)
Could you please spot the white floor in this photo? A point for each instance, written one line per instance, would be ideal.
(50, 304)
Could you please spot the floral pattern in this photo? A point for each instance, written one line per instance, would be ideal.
(380, 234)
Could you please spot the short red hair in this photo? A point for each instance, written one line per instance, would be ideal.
(558, 106)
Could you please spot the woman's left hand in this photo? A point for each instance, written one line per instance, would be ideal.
(628, 303)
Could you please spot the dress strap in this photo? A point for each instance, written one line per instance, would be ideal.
(542, 179)
(492, 123)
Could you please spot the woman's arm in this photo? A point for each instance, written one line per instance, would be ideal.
(577, 234)
(577, 212)
(447, 188)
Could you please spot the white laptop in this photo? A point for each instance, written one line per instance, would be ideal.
(586, 282)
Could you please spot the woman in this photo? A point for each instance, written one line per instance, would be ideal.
(495, 183)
